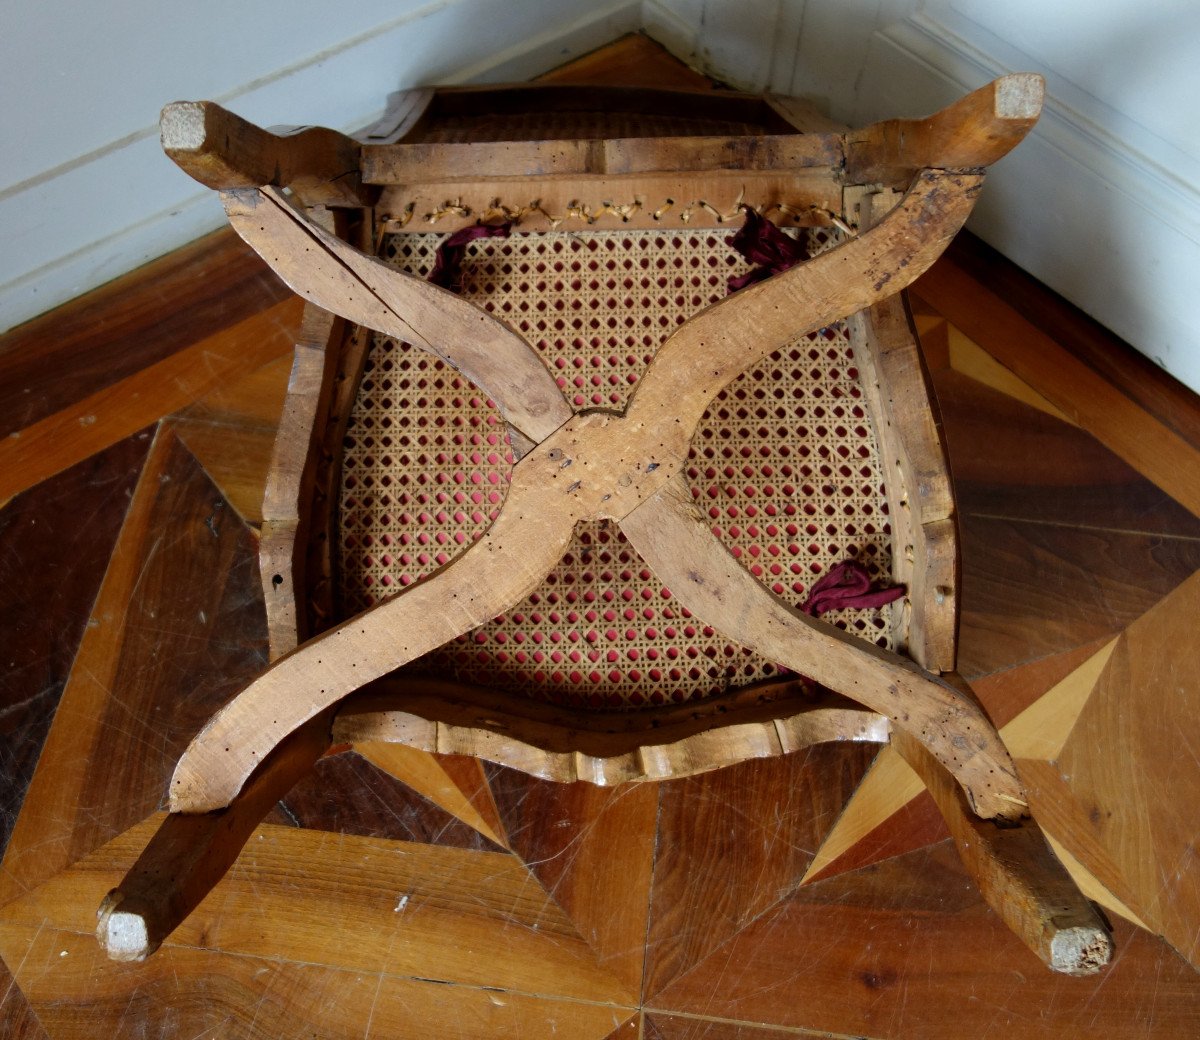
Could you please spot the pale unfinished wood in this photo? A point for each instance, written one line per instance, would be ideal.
(933, 600)
(283, 541)
(921, 500)
(406, 110)
(551, 398)
(604, 749)
(664, 202)
(900, 396)
(336, 276)
(886, 332)
(626, 467)
(415, 163)
(675, 540)
(294, 529)
(320, 331)
(222, 151)
(697, 361)
(226, 152)
(1019, 876)
(317, 611)
(975, 131)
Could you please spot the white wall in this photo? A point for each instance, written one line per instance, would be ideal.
(1102, 203)
(85, 191)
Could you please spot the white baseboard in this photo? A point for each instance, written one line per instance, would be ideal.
(1090, 215)
(90, 220)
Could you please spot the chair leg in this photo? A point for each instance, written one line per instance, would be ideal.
(222, 150)
(1018, 875)
(188, 855)
(940, 730)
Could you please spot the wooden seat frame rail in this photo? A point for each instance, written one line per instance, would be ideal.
(287, 194)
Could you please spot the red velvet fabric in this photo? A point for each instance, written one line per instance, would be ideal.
(447, 265)
(762, 243)
(848, 585)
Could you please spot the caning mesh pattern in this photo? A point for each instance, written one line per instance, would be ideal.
(535, 126)
(785, 462)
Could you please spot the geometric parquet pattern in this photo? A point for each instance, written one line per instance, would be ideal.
(400, 894)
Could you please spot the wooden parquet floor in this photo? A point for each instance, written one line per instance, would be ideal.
(400, 894)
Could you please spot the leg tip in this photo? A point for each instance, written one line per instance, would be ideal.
(122, 934)
(1080, 951)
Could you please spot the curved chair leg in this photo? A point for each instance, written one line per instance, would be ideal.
(500, 569)
(977, 130)
(677, 543)
(221, 150)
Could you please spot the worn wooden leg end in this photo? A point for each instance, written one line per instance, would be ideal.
(1080, 951)
(189, 854)
(186, 857)
(1018, 875)
(123, 934)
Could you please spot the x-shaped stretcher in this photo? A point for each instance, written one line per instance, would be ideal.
(627, 467)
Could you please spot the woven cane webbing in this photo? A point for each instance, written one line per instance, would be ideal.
(785, 462)
(585, 113)
(534, 126)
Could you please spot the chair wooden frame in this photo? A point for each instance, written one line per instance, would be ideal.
(307, 200)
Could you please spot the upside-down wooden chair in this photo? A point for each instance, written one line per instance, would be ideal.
(568, 514)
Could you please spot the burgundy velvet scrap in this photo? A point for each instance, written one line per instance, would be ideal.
(847, 586)
(447, 265)
(762, 243)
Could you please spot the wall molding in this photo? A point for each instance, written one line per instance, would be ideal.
(1089, 214)
(1127, 169)
(667, 26)
(97, 216)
